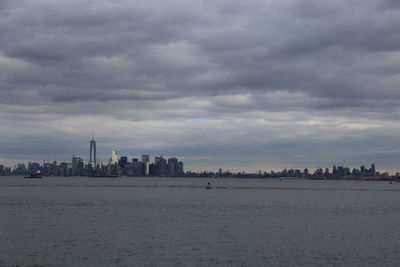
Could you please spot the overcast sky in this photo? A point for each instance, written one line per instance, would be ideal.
(243, 85)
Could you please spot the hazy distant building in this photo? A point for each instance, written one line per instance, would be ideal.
(137, 168)
(145, 165)
(123, 161)
(33, 167)
(172, 167)
(319, 172)
(112, 169)
(340, 171)
(92, 159)
(75, 161)
(78, 166)
(114, 157)
(372, 170)
(180, 169)
(362, 170)
(334, 171)
(145, 168)
(64, 168)
(160, 166)
(152, 169)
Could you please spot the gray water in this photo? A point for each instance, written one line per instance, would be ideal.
(59, 221)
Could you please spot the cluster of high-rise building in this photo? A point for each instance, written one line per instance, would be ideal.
(5, 170)
(140, 167)
(338, 172)
(116, 166)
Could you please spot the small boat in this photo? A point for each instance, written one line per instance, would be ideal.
(209, 186)
(34, 175)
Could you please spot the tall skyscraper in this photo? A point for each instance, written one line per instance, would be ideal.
(92, 160)
(161, 166)
(114, 157)
(123, 161)
(372, 170)
(145, 165)
(172, 167)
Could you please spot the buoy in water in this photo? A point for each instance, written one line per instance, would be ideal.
(208, 186)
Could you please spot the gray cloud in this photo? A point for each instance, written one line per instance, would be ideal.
(156, 70)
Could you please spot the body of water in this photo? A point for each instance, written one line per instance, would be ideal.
(80, 221)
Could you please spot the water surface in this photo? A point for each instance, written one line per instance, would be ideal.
(80, 221)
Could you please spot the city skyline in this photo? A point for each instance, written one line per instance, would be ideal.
(115, 167)
(170, 167)
(89, 167)
(243, 85)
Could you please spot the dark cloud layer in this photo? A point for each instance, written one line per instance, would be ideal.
(159, 67)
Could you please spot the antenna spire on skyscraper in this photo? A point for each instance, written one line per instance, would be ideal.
(92, 160)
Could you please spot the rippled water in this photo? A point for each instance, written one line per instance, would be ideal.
(177, 222)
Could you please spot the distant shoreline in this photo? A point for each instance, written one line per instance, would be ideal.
(249, 176)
